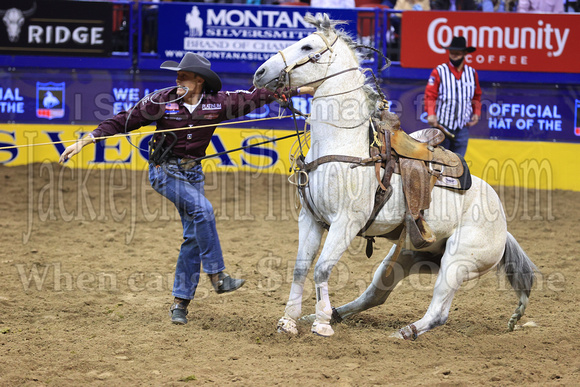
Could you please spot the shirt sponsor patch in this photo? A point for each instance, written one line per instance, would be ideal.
(171, 108)
(211, 106)
(211, 116)
(431, 80)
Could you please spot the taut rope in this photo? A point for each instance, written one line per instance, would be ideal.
(147, 132)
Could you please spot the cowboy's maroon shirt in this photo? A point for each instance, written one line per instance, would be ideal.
(191, 143)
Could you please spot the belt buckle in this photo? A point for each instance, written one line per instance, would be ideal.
(189, 164)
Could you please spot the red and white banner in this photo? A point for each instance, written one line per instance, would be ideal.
(505, 41)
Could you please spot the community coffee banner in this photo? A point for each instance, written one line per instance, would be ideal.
(55, 28)
(537, 42)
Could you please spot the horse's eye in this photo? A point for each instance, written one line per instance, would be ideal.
(306, 48)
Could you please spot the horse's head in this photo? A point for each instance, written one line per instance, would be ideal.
(304, 62)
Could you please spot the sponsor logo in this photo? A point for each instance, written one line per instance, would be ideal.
(541, 36)
(194, 22)
(13, 19)
(171, 108)
(211, 116)
(254, 31)
(44, 28)
(256, 18)
(512, 116)
(50, 100)
(449, 181)
(211, 106)
(62, 34)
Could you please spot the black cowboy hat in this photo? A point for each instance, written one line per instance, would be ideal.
(199, 65)
(459, 43)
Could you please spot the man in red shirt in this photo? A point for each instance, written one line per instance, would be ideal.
(453, 97)
(174, 171)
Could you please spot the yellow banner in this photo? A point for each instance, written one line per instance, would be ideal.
(23, 144)
(528, 164)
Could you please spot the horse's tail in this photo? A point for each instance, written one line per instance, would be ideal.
(520, 271)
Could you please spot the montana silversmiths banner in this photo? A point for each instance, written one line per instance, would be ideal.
(538, 42)
(237, 33)
(55, 28)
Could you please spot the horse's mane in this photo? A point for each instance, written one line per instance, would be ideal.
(324, 24)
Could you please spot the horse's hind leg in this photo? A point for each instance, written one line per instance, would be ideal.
(520, 271)
(449, 280)
(310, 235)
(381, 285)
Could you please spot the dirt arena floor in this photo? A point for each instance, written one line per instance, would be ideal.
(86, 268)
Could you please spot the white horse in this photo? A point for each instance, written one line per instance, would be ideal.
(470, 226)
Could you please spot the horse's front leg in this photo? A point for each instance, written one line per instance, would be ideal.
(309, 237)
(338, 239)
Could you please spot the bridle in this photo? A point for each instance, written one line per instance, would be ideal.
(313, 57)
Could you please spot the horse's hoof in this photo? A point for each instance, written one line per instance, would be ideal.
(322, 329)
(308, 319)
(409, 332)
(396, 335)
(513, 320)
(287, 325)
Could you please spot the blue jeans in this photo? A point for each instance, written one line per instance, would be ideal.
(201, 246)
(459, 143)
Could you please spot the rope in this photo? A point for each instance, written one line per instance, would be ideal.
(152, 95)
(147, 132)
(248, 146)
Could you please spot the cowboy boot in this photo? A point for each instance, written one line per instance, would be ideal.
(223, 283)
(178, 311)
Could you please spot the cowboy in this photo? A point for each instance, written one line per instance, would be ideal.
(453, 97)
(174, 171)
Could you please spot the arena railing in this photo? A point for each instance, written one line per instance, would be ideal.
(133, 43)
(135, 27)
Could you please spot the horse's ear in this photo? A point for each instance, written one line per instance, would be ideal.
(326, 24)
(311, 19)
(323, 23)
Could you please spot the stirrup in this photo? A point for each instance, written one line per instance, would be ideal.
(419, 232)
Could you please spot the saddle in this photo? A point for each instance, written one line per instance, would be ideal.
(416, 157)
(422, 165)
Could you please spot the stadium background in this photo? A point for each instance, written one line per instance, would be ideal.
(105, 61)
(88, 255)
